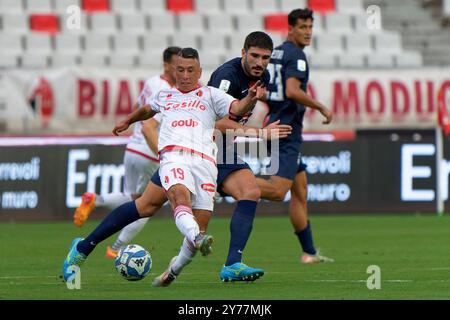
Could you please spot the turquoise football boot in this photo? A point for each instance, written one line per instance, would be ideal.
(240, 272)
(73, 258)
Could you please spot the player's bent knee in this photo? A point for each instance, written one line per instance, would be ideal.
(251, 194)
(278, 195)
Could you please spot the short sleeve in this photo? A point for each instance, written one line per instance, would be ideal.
(158, 117)
(146, 92)
(221, 102)
(296, 65)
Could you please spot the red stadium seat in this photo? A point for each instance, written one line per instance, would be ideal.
(95, 5)
(322, 6)
(44, 23)
(276, 23)
(177, 6)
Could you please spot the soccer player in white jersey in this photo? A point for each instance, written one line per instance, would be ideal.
(187, 162)
(140, 161)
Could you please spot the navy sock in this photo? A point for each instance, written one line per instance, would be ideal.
(115, 221)
(240, 228)
(306, 239)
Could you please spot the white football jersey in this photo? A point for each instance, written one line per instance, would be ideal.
(188, 119)
(151, 87)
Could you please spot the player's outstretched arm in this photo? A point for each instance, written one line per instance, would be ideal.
(256, 92)
(140, 114)
(294, 92)
(273, 131)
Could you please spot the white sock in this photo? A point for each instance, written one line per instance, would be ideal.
(187, 252)
(129, 232)
(112, 200)
(184, 219)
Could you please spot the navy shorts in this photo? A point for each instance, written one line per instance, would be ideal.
(289, 160)
(223, 171)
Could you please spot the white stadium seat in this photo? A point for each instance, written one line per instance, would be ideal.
(407, 59)
(265, 6)
(191, 23)
(221, 23)
(328, 43)
(97, 43)
(236, 7)
(338, 23)
(123, 6)
(33, 60)
(164, 19)
(151, 59)
(184, 40)
(153, 6)
(359, 43)
(287, 6)
(103, 23)
(212, 42)
(350, 60)
(11, 6)
(38, 6)
(210, 60)
(8, 60)
(380, 60)
(64, 60)
(133, 23)
(67, 43)
(15, 23)
(11, 43)
(93, 60)
(318, 60)
(249, 23)
(207, 6)
(388, 42)
(122, 60)
(38, 43)
(126, 43)
(349, 6)
(62, 5)
(155, 42)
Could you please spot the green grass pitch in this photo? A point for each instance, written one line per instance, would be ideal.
(412, 251)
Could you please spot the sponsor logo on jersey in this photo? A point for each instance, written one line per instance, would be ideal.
(184, 123)
(191, 104)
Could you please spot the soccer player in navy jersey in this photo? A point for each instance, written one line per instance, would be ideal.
(235, 178)
(287, 101)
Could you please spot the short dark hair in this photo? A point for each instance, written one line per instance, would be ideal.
(189, 53)
(169, 52)
(303, 14)
(258, 39)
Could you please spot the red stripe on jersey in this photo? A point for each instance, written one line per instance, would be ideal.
(192, 151)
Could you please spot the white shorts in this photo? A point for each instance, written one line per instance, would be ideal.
(138, 171)
(194, 172)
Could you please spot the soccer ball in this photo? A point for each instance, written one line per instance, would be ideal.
(133, 262)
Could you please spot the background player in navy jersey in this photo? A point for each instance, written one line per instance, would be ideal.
(287, 100)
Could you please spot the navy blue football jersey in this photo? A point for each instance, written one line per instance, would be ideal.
(231, 78)
(287, 61)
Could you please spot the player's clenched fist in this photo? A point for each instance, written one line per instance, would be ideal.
(120, 127)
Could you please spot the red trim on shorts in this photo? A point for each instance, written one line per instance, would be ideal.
(208, 187)
(142, 154)
(180, 148)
